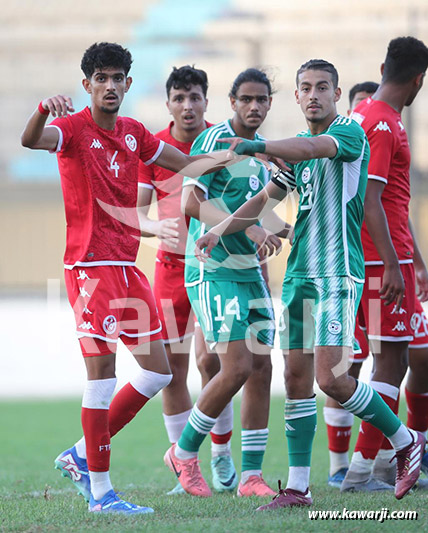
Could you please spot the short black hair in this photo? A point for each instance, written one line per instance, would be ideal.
(105, 55)
(406, 57)
(369, 87)
(184, 77)
(319, 64)
(254, 75)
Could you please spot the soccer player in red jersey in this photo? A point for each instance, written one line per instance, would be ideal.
(391, 262)
(186, 89)
(339, 422)
(98, 155)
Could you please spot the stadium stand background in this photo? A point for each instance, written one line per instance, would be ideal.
(42, 44)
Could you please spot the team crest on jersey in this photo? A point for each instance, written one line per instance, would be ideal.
(306, 174)
(131, 142)
(334, 327)
(110, 324)
(254, 182)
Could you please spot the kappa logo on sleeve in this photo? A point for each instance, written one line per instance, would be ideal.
(382, 126)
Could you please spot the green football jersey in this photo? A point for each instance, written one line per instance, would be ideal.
(235, 257)
(327, 239)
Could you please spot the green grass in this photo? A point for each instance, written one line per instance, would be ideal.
(34, 498)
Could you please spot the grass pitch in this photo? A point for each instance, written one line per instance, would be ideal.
(34, 498)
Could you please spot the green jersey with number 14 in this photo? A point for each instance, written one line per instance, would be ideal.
(235, 257)
(327, 240)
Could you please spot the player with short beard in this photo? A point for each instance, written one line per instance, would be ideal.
(324, 277)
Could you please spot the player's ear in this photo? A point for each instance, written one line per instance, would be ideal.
(128, 83)
(232, 102)
(382, 68)
(296, 94)
(86, 85)
(206, 104)
(167, 105)
(337, 94)
(419, 80)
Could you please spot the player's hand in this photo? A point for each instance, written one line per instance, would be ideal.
(280, 163)
(166, 230)
(267, 242)
(422, 284)
(393, 286)
(59, 105)
(207, 242)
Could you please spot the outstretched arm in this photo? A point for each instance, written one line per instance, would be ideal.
(247, 215)
(293, 149)
(35, 135)
(195, 165)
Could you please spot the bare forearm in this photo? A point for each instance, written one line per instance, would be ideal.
(276, 225)
(377, 225)
(33, 130)
(244, 217)
(301, 149)
(194, 165)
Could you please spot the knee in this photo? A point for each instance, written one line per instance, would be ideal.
(149, 383)
(262, 369)
(297, 384)
(328, 384)
(179, 375)
(236, 376)
(208, 364)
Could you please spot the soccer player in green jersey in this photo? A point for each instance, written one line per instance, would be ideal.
(230, 298)
(324, 277)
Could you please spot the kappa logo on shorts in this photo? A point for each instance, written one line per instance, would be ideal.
(82, 275)
(401, 311)
(131, 142)
(110, 324)
(334, 327)
(86, 325)
(306, 174)
(83, 292)
(399, 326)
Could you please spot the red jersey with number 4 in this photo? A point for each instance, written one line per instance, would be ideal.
(99, 179)
(389, 164)
(168, 186)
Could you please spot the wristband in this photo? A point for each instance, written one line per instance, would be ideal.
(42, 110)
(247, 147)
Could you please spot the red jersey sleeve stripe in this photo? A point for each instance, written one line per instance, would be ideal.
(378, 178)
(156, 154)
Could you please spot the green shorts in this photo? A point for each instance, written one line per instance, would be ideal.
(318, 312)
(230, 310)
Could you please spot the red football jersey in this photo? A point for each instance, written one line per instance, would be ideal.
(390, 164)
(99, 179)
(168, 187)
